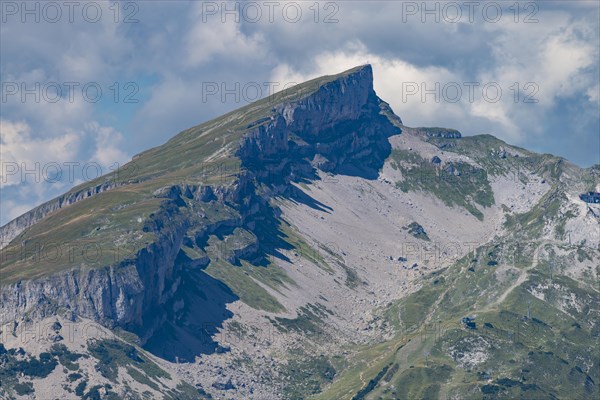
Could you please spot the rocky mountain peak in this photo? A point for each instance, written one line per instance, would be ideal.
(338, 100)
(338, 126)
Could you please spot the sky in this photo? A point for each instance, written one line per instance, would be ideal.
(85, 85)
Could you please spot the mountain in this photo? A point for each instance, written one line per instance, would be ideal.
(309, 245)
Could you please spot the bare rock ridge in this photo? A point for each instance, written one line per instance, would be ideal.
(342, 127)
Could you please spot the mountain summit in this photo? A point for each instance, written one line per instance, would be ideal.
(304, 110)
(310, 244)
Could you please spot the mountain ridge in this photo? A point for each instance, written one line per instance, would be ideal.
(320, 219)
(122, 176)
(337, 100)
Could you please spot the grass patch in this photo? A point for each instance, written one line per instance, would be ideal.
(24, 388)
(112, 354)
(242, 284)
(309, 322)
(306, 374)
(457, 184)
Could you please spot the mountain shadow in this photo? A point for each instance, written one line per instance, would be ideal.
(191, 318)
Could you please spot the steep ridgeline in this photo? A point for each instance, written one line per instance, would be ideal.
(13, 228)
(338, 125)
(309, 245)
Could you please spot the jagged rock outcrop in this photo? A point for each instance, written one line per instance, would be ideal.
(446, 133)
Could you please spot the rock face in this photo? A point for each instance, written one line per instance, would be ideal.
(417, 231)
(341, 127)
(439, 132)
(116, 295)
(590, 197)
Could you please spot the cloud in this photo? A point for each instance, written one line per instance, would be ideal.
(402, 84)
(22, 154)
(34, 170)
(108, 142)
(17, 200)
(554, 60)
(211, 37)
(593, 94)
